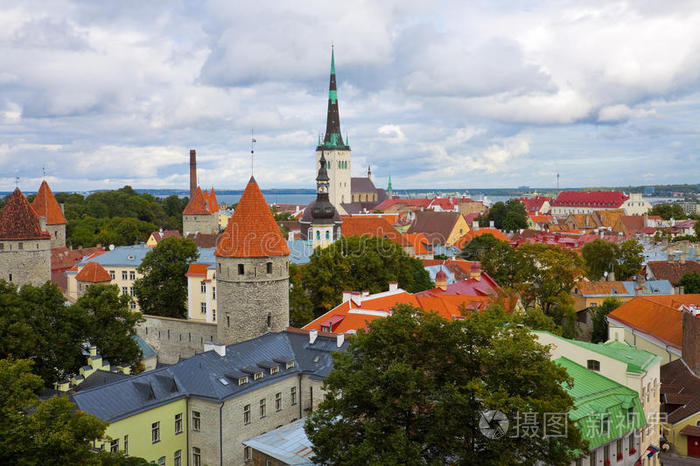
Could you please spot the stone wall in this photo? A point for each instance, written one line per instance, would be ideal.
(247, 300)
(173, 339)
(208, 224)
(25, 262)
(58, 235)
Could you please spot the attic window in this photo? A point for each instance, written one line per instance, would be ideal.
(274, 370)
(223, 380)
(258, 375)
(317, 358)
(325, 328)
(242, 380)
(593, 365)
(289, 365)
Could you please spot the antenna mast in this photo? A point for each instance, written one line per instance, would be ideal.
(252, 151)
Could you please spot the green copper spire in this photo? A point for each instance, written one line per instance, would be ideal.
(333, 138)
(388, 188)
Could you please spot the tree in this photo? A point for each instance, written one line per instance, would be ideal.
(412, 390)
(668, 211)
(600, 256)
(33, 433)
(300, 306)
(162, 291)
(360, 263)
(690, 283)
(630, 259)
(475, 249)
(36, 324)
(510, 215)
(600, 323)
(111, 325)
(502, 263)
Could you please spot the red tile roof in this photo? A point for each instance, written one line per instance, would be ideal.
(409, 202)
(437, 226)
(252, 230)
(197, 270)
(45, 205)
(672, 271)
(658, 316)
(534, 204)
(93, 272)
(18, 221)
(470, 235)
(204, 240)
(601, 199)
(159, 235)
(212, 203)
(417, 241)
(197, 205)
(369, 226)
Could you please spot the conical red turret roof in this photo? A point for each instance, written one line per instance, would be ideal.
(212, 203)
(18, 221)
(93, 273)
(252, 230)
(46, 205)
(197, 204)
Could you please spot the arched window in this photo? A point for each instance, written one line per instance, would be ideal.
(328, 235)
(318, 234)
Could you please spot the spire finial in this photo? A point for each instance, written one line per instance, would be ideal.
(16, 181)
(43, 170)
(252, 151)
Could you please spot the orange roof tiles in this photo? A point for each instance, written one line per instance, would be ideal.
(197, 270)
(93, 273)
(197, 205)
(470, 235)
(45, 205)
(657, 316)
(18, 221)
(210, 199)
(416, 240)
(600, 288)
(252, 230)
(370, 226)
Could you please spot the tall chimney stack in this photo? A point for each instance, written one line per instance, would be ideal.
(193, 172)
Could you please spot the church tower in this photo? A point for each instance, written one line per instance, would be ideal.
(336, 152)
(324, 221)
(252, 272)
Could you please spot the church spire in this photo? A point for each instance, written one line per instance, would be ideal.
(333, 137)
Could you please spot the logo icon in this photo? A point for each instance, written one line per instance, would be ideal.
(493, 424)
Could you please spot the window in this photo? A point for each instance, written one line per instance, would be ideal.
(246, 414)
(269, 319)
(228, 321)
(606, 454)
(124, 274)
(131, 291)
(593, 365)
(203, 307)
(630, 415)
(213, 315)
(269, 267)
(178, 423)
(247, 454)
(114, 446)
(203, 287)
(293, 395)
(630, 443)
(132, 275)
(263, 408)
(126, 445)
(318, 234)
(242, 380)
(289, 365)
(177, 458)
(274, 370)
(195, 421)
(278, 401)
(241, 269)
(10, 279)
(125, 290)
(605, 425)
(328, 235)
(161, 461)
(196, 457)
(111, 274)
(132, 305)
(155, 432)
(258, 375)
(2, 246)
(20, 245)
(213, 292)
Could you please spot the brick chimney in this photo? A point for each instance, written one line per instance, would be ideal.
(441, 280)
(475, 272)
(691, 337)
(193, 172)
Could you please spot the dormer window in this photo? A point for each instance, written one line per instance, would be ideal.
(289, 365)
(593, 365)
(258, 375)
(242, 380)
(274, 370)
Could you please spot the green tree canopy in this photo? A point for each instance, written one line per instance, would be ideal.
(600, 323)
(668, 211)
(360, 263)
(300, 307)
(36, 324)
(509, 216)
(412, 390)
(690, 283)
(475, 249)
(630, 260)
(162, 291)
(602, 256)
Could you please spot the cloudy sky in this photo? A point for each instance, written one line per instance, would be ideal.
(437, 94)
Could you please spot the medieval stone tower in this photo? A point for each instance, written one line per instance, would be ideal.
(197, 216)
(46, 206)
(336, 152)
(252, 272)
(25, 245)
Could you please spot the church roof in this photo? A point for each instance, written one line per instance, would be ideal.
(45, 205)
(197, 205)
(93, 273)
(333, 138)
(362, 185)
(210, 199)
(252, 230)
(18, 221)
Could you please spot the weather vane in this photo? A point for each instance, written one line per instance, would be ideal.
(16, 181)
(43, 170)
(252, 150)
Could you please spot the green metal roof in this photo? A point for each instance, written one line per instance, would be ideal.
(637, 360)
(597, 397)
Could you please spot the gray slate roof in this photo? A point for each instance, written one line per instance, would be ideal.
(201, 375)
(362, 185)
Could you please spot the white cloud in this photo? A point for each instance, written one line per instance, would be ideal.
(392, 134)
(620, 112)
